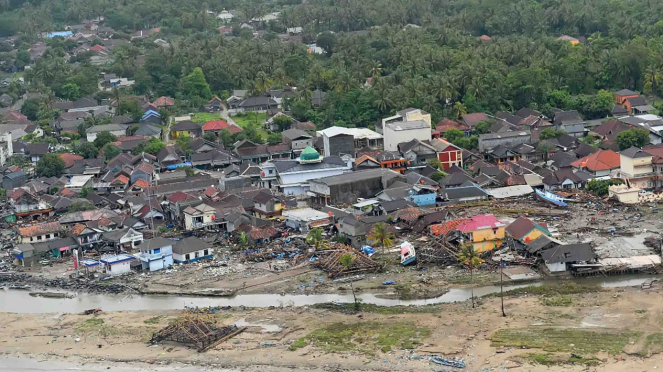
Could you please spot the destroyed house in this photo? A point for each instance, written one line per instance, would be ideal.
(40, 232)
(354, 229)
(26, 204)
(526, 230)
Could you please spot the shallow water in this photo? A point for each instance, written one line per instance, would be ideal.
(17, 301)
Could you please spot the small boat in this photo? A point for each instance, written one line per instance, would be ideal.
(19, 286)
(448, 363)
(408, 255)
(549, 197)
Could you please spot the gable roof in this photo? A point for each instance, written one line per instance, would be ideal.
(480, 222)
(598, 161)
(39, 229)
(522, 226)
(189, 245)
(634, 153)
(473, 119)
(568, 253)
(185, 125)
(154, 243)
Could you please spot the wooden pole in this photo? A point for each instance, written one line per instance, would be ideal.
(502, 287)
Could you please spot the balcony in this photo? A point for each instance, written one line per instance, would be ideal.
(143, 256)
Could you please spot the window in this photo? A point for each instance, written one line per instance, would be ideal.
(187, 257)
(206, 252)
(48, 236)
(157, 251)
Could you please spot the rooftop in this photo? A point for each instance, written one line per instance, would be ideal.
(407, 125)
(357, 133)
(305, 214)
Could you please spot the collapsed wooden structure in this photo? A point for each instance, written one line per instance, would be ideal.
(197, 331)
(437, 251)
(331, 262)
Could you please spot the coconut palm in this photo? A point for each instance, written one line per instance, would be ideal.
(459, 109)
(379, 235)
(347, 260)
(469, 257)
(315, 238)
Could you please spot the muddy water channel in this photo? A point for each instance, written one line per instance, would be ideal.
(20, 301)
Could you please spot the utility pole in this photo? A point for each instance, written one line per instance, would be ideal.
(502, 287)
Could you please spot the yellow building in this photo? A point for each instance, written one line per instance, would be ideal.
(636, 166)
(185, 129)
(526, 230)
(485, 232)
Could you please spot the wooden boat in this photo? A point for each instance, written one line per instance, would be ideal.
(551, 198)
(408, 255)
(448, 363)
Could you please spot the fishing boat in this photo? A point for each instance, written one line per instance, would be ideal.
(448, 363)
(549, 197)
(408, 255)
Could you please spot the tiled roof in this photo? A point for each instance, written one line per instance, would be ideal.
(69, 159)
(444, 228)
(122, 179)
(479, 222)
(77, 229)
(256, 233)
(141, 183)
(600, 160)
(40, 229)
(163, 101)
(409, 214)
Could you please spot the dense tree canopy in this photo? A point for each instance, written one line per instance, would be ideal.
(420, 53)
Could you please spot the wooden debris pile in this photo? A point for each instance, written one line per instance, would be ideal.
(330, 261)
(437, 251)
(197, 331)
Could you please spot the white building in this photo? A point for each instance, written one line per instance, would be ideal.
(304, 219)
(116, 265)
(362, 138)
(156, 254)
(79, 182)
(225, 16)
(405, 131)
(118, 130)
(6, 148)
(191, 250)
(291, 177)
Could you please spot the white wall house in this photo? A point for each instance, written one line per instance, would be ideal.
(156, 254)
(116, 265)
(118, 130)
(191, 250)
(405, 131)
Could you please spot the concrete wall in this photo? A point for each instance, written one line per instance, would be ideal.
(392, 138)
(489, 143)
(339, 144)
(301, 144)
(349, 192)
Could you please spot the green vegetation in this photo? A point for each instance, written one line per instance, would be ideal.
(557, 301)
(653, 344)
(154, 320)
(564, 340)
(601, 187)
(634, 137)
(551, 290)
(252, 122)
(204, 117)
(555, 359)
(50, 165)
(96, 325)
(366, 337)
(298, 344)
(386, 310)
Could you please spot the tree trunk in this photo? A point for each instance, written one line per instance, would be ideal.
(472, 284)
(352, 287)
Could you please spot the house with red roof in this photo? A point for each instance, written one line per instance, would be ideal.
(447, 153)
(70, 159)
(164, 101)
(600, 163)
(484, 231)
(216, 126)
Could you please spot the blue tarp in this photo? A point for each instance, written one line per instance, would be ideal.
(368, 250)
(180, 165)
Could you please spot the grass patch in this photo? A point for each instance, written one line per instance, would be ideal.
(564, 340)
(298, 344)
(349, 308)
(653, 344)
(154, 320)
(551, 290)
(254, 119)
(204, 117)
(96, 325)
(367, 337)
(561, 301)
(553, 360)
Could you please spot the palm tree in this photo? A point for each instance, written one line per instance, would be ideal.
(375, 68)
(347, 259)
(469, 257)
(381, 236)
(314, 238)
(459, 110)
(243, 240)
